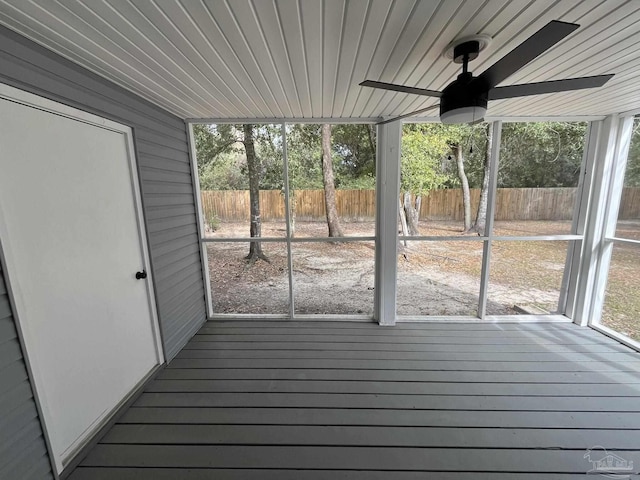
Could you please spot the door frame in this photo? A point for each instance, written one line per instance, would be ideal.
(27, 99)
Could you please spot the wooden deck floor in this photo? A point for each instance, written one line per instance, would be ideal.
(337, 400)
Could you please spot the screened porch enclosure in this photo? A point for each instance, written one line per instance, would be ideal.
(423, 340)
(441, 268)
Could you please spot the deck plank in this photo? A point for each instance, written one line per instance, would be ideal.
(421, 365)
(514, 377)
(347, 400)
(343, 458)
(377, 417)
(120, 473)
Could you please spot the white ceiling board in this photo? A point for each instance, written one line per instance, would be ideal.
(258, 59)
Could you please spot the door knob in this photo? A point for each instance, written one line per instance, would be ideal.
(141, 275)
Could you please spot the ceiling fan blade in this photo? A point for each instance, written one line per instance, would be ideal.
(535, 45)
(384, 122)
(400, 88)
(552, 86)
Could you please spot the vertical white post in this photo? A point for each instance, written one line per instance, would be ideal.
(287, 215)
(601, 165)
(611, 208)
(494, 163)
(388, 140)
(200, 213)
(566, 304)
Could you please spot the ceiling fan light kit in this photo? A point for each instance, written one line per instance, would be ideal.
(465, 100)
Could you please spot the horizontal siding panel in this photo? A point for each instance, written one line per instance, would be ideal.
(176, 243)
(158, 213)
(7, 329)
(9, 353)
(15, 420)
(155, 150)
(154, 162)
(3, 286)
(162, 200)
(186, 263)
(167, 236)
(180, 276)
(154, 187)
(21, 441)
(13, 396)
(174, 142)
(178, 328)
(151, 174)
(13, 375)
(186, 297)
(27, 463)
(169, 223)
(178, 256)
(187, 290)
(185, 332)
(5, 307)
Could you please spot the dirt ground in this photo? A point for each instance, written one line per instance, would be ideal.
(434, 278)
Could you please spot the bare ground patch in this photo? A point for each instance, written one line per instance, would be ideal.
(434, 278)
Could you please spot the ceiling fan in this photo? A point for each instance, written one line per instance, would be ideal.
(465, 99)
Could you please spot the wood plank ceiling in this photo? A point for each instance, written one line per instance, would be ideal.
(304, 58)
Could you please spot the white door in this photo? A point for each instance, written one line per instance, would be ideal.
(71, 233)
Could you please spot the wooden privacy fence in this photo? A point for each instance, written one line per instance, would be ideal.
(359, 205)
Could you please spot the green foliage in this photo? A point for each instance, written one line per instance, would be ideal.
(532, 155)
(632, 175)
(222, 162)
(422, 150)
(541, 154)
(213, 220)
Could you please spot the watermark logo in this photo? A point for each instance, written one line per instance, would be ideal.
(608, 464)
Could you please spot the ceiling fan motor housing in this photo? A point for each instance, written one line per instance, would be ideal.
(459, 98)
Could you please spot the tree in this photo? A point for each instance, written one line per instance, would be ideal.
(215, 145)
(466, 193)
(333, 222)
(253, 166)
(541, 154)
(422, 149)
(481, 214)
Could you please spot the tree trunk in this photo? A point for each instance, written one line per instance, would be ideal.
(403, 221)
(333, 221)
(481, 215)
(412, 212)
(293, 203)
(253, 166)
(466, 195)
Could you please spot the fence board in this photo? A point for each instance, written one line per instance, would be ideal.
(360, 205)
